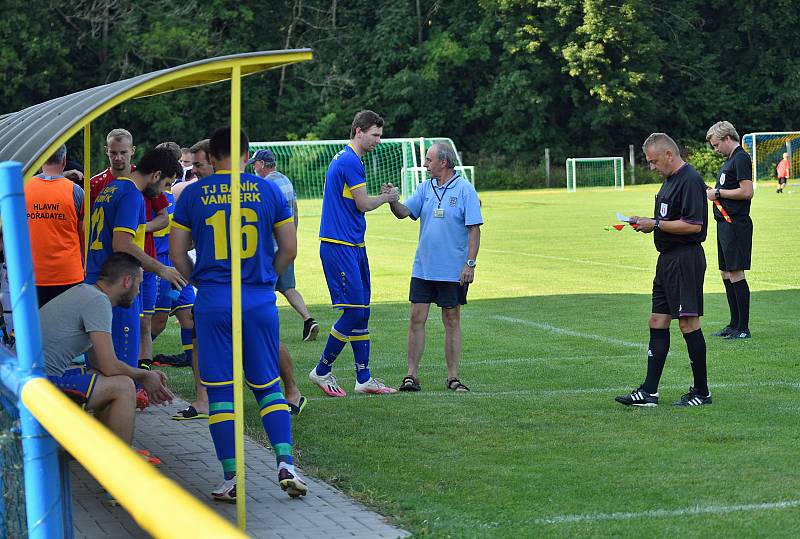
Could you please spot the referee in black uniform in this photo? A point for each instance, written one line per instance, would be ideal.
(731, 196)
(679, 227)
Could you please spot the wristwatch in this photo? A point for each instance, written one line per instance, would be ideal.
(657, 224)
(718, 194)
(471, 263)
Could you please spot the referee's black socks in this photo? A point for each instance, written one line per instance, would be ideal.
(730, 293)
(696, 345)
(656, 357)
(742, 291)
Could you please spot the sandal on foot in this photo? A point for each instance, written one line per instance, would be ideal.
(189, 413)
(454, 384)
(295, 409)
(410, 383)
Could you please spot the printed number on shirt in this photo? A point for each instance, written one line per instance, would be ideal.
(98, 221)
(219, 224)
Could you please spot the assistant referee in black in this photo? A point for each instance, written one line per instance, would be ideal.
(731, 196)
(679, 228)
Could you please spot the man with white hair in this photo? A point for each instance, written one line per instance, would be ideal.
(784, 169)
(449, 237)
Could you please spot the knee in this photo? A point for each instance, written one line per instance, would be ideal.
(122, 388)
(452, 319)
(418, 319)
(688, 325)
(659, 321)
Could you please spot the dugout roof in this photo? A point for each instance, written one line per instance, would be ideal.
(33, 134)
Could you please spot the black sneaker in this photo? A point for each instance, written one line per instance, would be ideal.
(310, 329)
(638, 397)
(693, 398)
(724, 332)
(738, 335)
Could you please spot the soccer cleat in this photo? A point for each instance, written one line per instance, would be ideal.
(638, 397)
(142, 400)
(327, 383)
(693, 398)
(374, 386)
(291, 482)
(310, 330)
(738, 335)
(226, 492)
(724, 332)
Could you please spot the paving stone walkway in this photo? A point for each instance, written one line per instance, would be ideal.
(187, 452)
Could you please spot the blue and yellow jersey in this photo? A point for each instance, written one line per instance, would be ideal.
(341, 221)
(161, 237)
(118, 207)
(204, 209)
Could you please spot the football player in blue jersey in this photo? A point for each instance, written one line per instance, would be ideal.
(202, 216)
(344, 256)
(118, 225)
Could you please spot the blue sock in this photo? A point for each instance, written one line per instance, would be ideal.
(276, 419)
(220, 423)
(359, 341)
(339, 336)
(186, 341)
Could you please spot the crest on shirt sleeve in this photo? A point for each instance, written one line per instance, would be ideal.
(453, 201)
(662, 211)
(722, 178)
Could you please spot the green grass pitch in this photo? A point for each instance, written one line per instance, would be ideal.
(556, 326)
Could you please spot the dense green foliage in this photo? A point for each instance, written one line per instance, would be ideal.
(503, 78)
(555, 327)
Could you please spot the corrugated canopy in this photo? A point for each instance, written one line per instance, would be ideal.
(31, 135)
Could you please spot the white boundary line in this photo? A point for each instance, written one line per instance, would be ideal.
(666, 513)
(572, 391)
(570, 332)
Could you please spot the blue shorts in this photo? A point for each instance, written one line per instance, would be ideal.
(347, 274)
(125, 332)
(260, 335)
(286, 280)
(75, 383)
(165, 304)
(148, 292)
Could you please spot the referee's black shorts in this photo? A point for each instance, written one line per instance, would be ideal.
(678, 285)
(734, 244)
(445, 294)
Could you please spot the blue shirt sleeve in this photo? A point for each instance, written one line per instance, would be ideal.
(181, 213)
(128, 211)
(416, 200)
(472, 207)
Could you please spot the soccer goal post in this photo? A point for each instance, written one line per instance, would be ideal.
(595, 172)
(766, 151)
(395, 160)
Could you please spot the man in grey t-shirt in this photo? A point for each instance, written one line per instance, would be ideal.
(78, 321)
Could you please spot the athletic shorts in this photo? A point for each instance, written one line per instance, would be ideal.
(125, 332)
(286, 280)
(734, 244)
(347, 274)
(148, 291)
(445, 294)
(163, 302)
(781, 181)
(47, 292)
(678, 285)
(76, 383)
(260, 335)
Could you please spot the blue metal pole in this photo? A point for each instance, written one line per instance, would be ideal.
(40, 451)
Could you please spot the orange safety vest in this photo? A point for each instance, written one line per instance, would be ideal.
(53, 225)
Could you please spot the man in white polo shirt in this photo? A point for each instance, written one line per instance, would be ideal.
(449, 237)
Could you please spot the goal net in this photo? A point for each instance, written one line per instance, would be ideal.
(413, 176)
(595, 172)
(395, 160)
(766, 151)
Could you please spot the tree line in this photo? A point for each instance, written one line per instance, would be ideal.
(503, 78)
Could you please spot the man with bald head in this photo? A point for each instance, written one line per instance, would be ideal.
(679, 228)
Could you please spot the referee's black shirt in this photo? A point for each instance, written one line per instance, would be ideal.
(682, 197)
(736, 168)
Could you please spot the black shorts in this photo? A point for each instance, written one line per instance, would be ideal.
(445, 294)
(678, 285)
(781, 181)
(734, 244)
